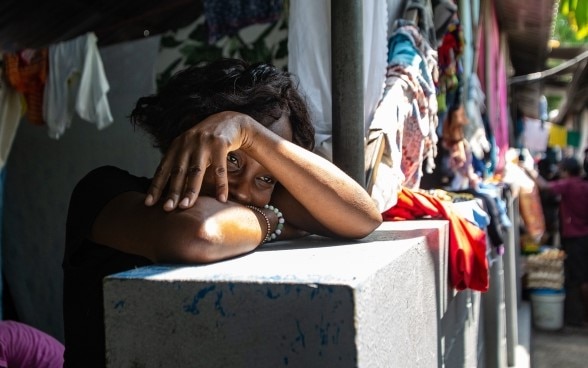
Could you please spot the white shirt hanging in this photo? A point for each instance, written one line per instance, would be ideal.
(76, 82)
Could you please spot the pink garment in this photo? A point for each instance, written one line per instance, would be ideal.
(573, 206)
(24, 346)
(494, 83)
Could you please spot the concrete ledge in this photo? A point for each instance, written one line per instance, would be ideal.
(523, 349)
(307, 303)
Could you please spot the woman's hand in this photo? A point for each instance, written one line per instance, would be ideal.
(203, 147)
(333, 203)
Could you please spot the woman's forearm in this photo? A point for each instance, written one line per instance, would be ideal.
(334, 199)
(219, 231)
(207, 232)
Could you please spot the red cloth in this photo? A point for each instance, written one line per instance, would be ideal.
(27, 72)
(468, 264)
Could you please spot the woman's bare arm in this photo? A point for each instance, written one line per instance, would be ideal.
(207, 232)
(333, 199)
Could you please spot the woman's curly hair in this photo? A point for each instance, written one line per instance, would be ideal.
(259, 90)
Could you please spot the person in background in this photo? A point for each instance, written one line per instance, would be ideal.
(571, 187)
(237, 141)
(24, 346)
(585, 164)
(549, 202)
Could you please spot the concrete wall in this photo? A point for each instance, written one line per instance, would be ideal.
(384, 301)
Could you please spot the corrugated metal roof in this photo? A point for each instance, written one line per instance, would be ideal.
(527, 26)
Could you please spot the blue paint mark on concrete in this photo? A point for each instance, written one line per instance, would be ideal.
(300, 338)
(271, 294)
(298, 290)
(119, 305)
(320, 289)
(143, 272)
(193, 306)
(324, 335)
(218, 303)
(315, 291)
(337, 335)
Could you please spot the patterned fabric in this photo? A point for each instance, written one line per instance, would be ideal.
(406, 115)
(228, 17)
(412, 60)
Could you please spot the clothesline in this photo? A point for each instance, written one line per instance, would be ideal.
(57, 81)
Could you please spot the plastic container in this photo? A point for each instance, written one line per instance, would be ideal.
(548, 308)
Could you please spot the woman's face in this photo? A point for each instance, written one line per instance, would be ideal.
(249, 182)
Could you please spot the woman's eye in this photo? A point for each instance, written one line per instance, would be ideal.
(233, 160)
(267, 180)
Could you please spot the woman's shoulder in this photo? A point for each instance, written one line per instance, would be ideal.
(91, 193)
(105, 171)
(101, 185)
(111, 178)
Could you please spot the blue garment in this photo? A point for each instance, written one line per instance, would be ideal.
(492, 191)
(471, 211)
(403, 51)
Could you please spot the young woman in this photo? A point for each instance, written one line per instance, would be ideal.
(237, 171)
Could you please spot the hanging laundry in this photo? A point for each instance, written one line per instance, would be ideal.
(573, 139)
(309, 58)
(499, 221)
(228, 17)
(10, 115)
(468, 263)
(410, 89)
(420, 12)
(26, 71)
(450, 51)
(444, 12)
(384, 134)
(474, 131)
(535, 134)
(558, 136)
(76, 82)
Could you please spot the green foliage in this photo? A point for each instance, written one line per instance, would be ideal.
(553, 102)
(576, 14)
(267, 43)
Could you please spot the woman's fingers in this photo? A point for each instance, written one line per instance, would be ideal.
(219, 167)
(177, 179)
(193, 184)
(201, 148)
(157, 184)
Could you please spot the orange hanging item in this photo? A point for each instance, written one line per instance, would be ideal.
(468, 264)
(27, 72)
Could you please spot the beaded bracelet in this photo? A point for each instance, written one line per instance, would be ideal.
(269, 228)
(281, 222)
